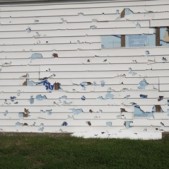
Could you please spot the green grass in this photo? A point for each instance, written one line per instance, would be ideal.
(64, 152)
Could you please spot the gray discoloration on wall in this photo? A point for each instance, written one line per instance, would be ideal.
(91, 66)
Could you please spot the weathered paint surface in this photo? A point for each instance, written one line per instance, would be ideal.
(62, 68)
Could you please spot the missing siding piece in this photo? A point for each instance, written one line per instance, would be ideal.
(164, 36)
(127, 124)
(122, 15)
(109, 42)
(89, 123)
(126, 11)
(157, 36)
(90, 111)
(84, 84)
(157, 108)
(140, 40)
(122, 110)
(26, 112)
(13, 98)
(83, 98)
(55, 55)
(143, 96)
(160, 98)
(64, 123)
(162, 124)
(57, 86)
(164, 59)
(28, 30)
(123, 40)
(25, 83)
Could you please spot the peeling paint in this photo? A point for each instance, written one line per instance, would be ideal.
(40, 97)
(127, 124)
(6, 113)
(138, 112)
(48, 111)
(84, 84)
(31, 100)
(109, 42)
(36, 56)
(109, 95)
(41, 127)
(64, 100)
(143, 84)
(76, 111)
(28, 30)
(133, 73)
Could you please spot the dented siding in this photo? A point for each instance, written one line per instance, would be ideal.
(61, 71)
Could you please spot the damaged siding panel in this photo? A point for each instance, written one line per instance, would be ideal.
(61, 71)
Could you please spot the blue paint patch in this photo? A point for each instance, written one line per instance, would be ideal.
(20, 114)
(109, 124)
(76, 111)
(127, 124)
(64, 100)
(49, 112)
(109, 95)
(109, 42)
(143, 84)
(31, 100)
(41, 127)
(128, 11)
(102, 83)
(6, 113)
(138, 112)
(40, 97)
(36, 56)
(18, 124)
(140, 40)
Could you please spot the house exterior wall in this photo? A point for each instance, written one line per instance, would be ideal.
(59, 73)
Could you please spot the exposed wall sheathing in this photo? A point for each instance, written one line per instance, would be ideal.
(55, 76)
